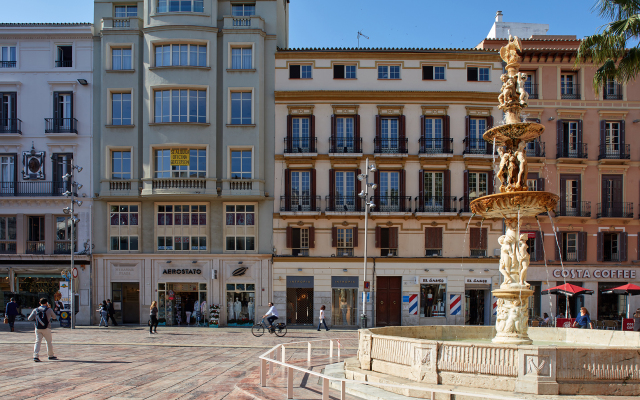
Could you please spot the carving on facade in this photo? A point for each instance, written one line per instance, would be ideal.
(536, 365)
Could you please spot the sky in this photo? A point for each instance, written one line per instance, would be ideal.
(387, 23)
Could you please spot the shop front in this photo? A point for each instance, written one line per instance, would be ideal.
(433, 297)
(300, 300)
(344, 300)
(477, 301)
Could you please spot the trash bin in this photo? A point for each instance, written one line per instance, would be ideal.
(363, 318)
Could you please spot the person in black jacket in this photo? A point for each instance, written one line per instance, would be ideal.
(111, 312)
(11, 312)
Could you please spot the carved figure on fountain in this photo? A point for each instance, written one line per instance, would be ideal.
(509, 96)
(509, 52)
(506, 258)
(521, 157)
(524, 259)
(524, 96)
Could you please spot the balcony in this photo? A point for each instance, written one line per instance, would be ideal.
(464, 204)
(612, 92)
(345, 145)
(340, 203)
(11, 125)
(436, 146)
(240, 22)
(63, 247)
(614, 152)
(7, 64)
(300, 203)
(300, 145)
(436, 204)
(477, 147)
(570, 91)
(35, 247)
(573, 209)
(535, 149)
(531, 89)
(64, 64)
(390, 145)
(8, 247)
(35, 188)
(571, 150)
(61, 125)
(118, 185)
(242, 187)
(615, 210)
(179, 183)
(129, 23)
(391, 204)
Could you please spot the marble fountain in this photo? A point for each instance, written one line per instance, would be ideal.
(509, 357)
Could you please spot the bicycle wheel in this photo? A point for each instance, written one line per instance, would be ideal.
(281, 330)
(257, 330)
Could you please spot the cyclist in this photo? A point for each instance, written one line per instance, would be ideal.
(271, 315)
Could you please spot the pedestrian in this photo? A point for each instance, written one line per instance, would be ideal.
(271, 315)
(42, 317)
(583, 321)
(103, 310)
(546, 319)
(153, 315)
(111, 312)
(322, 319)
(10, 312)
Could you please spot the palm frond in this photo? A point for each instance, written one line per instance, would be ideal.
(616, 9)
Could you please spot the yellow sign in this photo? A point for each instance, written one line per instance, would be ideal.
(180, 157)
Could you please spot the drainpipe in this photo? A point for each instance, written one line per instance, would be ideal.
(373, 293)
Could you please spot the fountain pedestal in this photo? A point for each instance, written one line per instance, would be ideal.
(513, 315)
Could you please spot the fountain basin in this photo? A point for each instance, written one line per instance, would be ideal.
(559, 361)
(521, 131)
(507, 205)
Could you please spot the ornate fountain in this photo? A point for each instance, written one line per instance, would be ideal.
(514, 201)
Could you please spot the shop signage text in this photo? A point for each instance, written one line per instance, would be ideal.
(481, 281)
(181, 271)
(597, 273)
(180, 157)
(124, 271)
(302, 282)
(344, 281)
(426, 281)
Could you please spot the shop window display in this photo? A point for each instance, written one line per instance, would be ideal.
(182, 304)
(611, 306)
(240, 304)
(432, 300)
(344, 307)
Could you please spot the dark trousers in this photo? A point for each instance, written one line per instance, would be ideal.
(12, 320)
(271, 319)
(320, 324)
(113, 319)
(154, 324)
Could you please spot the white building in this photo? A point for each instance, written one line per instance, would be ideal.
(523, 30)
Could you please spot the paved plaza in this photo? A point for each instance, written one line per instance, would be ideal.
(178, 363)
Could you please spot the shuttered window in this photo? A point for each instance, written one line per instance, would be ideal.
(478, 242)
(433, 241)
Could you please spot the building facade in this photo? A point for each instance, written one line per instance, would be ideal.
(418, 116)
(185, 120)
(46, 88)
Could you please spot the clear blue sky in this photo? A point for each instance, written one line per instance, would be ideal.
(388, 23)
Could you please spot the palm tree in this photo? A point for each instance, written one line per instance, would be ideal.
(608, 48)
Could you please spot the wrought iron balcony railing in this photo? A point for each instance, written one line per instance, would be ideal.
(64, 64)
(571, 150)
(63, 247)
(390, 145)
(10, 125)
(300, 145)
(477, 146)
(391, 203)
(340, 203)
(300, 203)
(615, 210)
(532, 90)
(436, 204)
(570, 91)
(436, 146)
(573, 209)
(35, 247)
(612, 92)
(7, 64)
(614, 152)
(345, 145)
(535, 149)
(61, 125)
(34, 188)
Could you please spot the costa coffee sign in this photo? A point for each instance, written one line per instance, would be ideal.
(596, 273)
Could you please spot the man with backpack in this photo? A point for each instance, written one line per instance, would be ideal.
(42, 317)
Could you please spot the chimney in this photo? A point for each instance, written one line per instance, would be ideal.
(499, 16)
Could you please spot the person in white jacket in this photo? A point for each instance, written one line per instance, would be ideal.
(322, 319)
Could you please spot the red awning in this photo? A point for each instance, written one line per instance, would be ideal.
(567, 290)
(629, 289)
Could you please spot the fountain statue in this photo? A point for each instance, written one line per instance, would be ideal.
(514, 201)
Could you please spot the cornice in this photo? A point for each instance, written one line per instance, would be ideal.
(450, 56)
(387, 96)
(162, 28)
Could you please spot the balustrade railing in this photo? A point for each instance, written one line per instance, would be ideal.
(390, 145)
(300, 145)
(436, 204)
(574, 209)
(614, 152)
(35, 247)
(436, 146)
(10, 125)
(179, 183)
(343, 203)
(615, 210)
(345, 145)
(570, 91)
(34, 188)
(119, 185)
(391, 203)
(7, 64)
(64, 64)
(300, 203)
(477, 146)
(61, 125)
(571, 150)
(535, 149)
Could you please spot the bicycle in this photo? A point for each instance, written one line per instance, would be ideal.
(280, 328)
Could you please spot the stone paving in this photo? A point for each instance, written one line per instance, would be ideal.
(178, 363)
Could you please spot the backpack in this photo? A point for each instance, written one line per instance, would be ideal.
(42, 322)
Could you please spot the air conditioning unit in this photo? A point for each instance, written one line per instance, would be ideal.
(496, 252)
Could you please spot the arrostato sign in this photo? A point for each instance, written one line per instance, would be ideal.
(181, 271)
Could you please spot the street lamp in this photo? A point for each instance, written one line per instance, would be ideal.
(73, 220)
(364, 194)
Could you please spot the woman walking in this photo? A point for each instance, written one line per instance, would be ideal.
(583, 321)
(322, 319)
(153, 315)
(104, 312)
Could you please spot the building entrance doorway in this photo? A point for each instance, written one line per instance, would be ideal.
(477, 307)
(300, 306)
(388, 300)
(182, 304)
(126, 302)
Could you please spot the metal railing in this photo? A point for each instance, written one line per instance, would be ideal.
(477, 146)
(35, 247)
(300, 145)
(390, 145)
(535, 149)
(300, 203)
(345, 145)
(571, 150)
(64, 64)
(7, 64)
(610, 256)
(570, 91)
(10, 125)
(63, 247)
(574, 209)
(8, 247)
(436, 146)
(465, 206)
(612, 92)
(343, 203)
(436, 204)
(615, 210)
(61, 125)
(532, 90)
(478, 253)
(614, 152)
(35, 188)
(391, 203)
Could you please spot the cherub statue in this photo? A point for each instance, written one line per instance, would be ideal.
(521, 157)
(509, 52)
(524, 96)
(502, 170)
(512, 324)
(523, 259)
(513, 171)
(508, 91)
(501, 318)
(506, 261)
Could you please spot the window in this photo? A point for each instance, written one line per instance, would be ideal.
(568, 86)
(120, 165)
(433, 242)
(180, 6)
(61, 165)
(180, 105)
(300, 140)
(300, 191)
(120, 243)
(389, 191)
(388, 72)
(62, 243)
(7, 174)
(389, 135)
(7, 56)
(387, 241)
(299, 241)
(193, 55)
(478, 242)
(612, 137)
(123, 215)
(432, 73)
(345, 242)
(64, 56)
(612, 90)
(532, 184)
(299, 71)
(126, 11)
(241, 58)
(432, 135)
(570, 246)
(477, 74)
(477, 184)
(240, 231)
(182, 227)
(196, 168)
(35, 235)
(62, 120)
(185, 215)
(8, 236)
(530, 85)
(433, 299)
(571, 139)
(124, 228)
(243, 10)
(241, 108)
(121, 109)
(477, 127)
(240, 164)
(8, 112)
(344, 71)
(121, 59)
(433, 191)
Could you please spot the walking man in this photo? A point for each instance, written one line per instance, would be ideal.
(111, 313)
(42, 317)
(11, 312)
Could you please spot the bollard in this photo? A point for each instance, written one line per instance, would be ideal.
(433, 395)
(263, 372)
(270, 364)
(343, 390)
(283, 355)
(308, 352)
(331, 348)
(325, 389)
(290, 372)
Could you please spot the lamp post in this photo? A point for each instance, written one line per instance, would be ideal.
(72, 193)
(364, 194)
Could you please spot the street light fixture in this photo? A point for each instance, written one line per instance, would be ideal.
(364, 194)
(72, 193)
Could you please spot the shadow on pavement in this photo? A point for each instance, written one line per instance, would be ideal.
(94, 362)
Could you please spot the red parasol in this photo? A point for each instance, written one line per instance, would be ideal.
(567, 289)
(629, 289)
